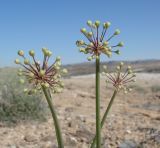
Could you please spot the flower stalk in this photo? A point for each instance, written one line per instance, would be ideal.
(105, 116)
(98, 119)
(54, 116)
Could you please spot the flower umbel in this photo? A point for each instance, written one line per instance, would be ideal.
(120, 78)
(38, 74)
(97, 42)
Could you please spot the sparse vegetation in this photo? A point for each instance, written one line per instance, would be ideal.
(15, 106)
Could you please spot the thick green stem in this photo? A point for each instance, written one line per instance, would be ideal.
(105, 116)
(98, 119)
(54, 116)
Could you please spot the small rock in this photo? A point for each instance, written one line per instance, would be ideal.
(128, 144)
(69, 124)
(69, 109)
(48, 138)
(128, 132)
(30, 138)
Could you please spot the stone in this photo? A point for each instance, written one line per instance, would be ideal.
(128, 144)
(30, 138)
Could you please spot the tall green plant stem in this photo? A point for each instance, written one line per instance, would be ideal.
(98, 119)
(105, 116)
(54, 116)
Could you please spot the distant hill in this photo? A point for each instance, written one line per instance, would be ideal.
(148, 66)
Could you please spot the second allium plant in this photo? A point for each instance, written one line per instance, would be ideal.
(97, 44)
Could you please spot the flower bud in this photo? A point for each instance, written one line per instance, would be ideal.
(58, 58)
(61, 84)
(81, 49)
(91, 44)
(130, 71)
(46, 85)
(80, 43)
(109, 53)
(20, 70)
(89, 23)
(120, 44)
(97, 23)
(58, 63)
(45, 51)
(58, 76)
(89, 58)
(21, 53)
(21, 81)
(49, 53)
(105, 43)
(64, 71)
(118, 67)
(31, 74)
(117, 52)
(25, 90)
(26, 61)
(83, 30)
(17, 61)
(120, 87)
(121, 64)
(42, 73)
(104, 67)
(90, 34)
(106, 25)
(129, 68)
(56, 67)
(31, 53)
(19, 74)
(117, 32)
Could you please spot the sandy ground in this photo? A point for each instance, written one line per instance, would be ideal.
(134, 120)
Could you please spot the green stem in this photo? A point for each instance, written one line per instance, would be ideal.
(54, 116)
(98, 120)
(105, 116)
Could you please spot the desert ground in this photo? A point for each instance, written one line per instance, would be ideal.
(133, 122)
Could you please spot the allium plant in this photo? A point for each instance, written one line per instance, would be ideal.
(120, 79)
(98, 43)
(42, 77)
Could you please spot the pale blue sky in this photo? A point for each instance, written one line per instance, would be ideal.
(32, 24)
